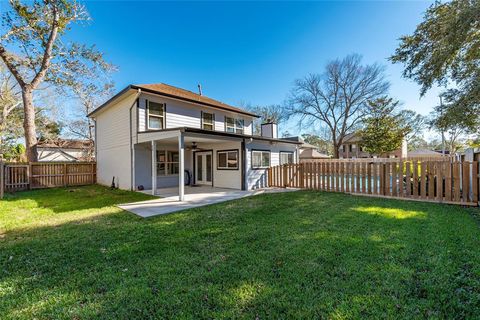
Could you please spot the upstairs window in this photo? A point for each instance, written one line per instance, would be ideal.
(156, 115)
(286, 157)
(208, 121)
(233, 125)
(260, 159)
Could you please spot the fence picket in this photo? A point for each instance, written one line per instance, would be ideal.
(408, 182)
(423, 180)
(475, 178)
(439, 173)
(415, 179)
(465, 180)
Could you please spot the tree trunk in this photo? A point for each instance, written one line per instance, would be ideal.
(29, 125)
(336, 147)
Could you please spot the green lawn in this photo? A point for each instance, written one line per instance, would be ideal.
(69, 253)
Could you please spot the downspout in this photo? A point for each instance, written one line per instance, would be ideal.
(132, 164)
(244, 166)
(95, 142)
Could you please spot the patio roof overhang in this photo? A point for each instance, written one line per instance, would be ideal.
(188, 131)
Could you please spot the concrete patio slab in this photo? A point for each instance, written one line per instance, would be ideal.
(194, 197)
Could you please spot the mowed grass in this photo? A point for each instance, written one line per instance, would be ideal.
(70, 253)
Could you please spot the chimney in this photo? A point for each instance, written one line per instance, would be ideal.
(269, 129)
(199, 89)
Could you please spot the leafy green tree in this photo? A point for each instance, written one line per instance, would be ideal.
(445, 50)
(14, 152)
(454, 123)
(33, 48)
(324, 145)
(416, 124)
(384, 131)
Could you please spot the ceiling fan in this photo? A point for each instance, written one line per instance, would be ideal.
(194, 147)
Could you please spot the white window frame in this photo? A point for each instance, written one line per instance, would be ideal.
(227, 152)
(263, 153)
(155, 115)
(238, 129)
(166, 163)
(206, 123)
(286, 153)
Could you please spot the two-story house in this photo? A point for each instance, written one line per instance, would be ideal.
(158, 136)
(352, 148)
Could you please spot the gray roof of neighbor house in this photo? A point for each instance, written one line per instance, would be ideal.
(352, 137)
(169, 91)
(423, 153)
(64, 144)
(312, 154)
(305, 145)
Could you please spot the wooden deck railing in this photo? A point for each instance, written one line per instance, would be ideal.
(435, 181)
(36, 175)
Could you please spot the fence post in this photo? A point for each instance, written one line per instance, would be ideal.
(29, 175)
(284, 173)
(2, 178)
(65, 175)
(382, 179)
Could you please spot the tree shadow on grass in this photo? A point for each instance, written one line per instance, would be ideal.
(292, 255)
(68, 199)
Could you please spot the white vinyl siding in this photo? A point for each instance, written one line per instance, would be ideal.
(113, 143)
(182, 114)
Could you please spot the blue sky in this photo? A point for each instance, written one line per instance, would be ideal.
(249, 52)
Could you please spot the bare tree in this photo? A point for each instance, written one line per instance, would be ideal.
(10, 110)
(32, 49)
(89, 95)
(270, 113)
(338, 97)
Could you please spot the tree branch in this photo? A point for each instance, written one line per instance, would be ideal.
(8, 60)
(47, 56)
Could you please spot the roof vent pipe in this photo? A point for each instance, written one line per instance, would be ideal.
(199, 89)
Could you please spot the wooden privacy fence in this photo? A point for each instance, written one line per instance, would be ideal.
(36, 175)
(435, 181)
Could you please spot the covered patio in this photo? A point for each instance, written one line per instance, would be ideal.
(193, 197)
(168, 162)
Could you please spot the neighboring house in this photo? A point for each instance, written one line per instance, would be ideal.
(147, 136)
(64, 150)
(352, 148)
(310, 152)
(307, 151)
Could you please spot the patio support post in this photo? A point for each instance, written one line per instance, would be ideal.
(132, 186)
(154, 167)
(181, 169)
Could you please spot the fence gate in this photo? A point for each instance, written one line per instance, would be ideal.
(16, 177)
